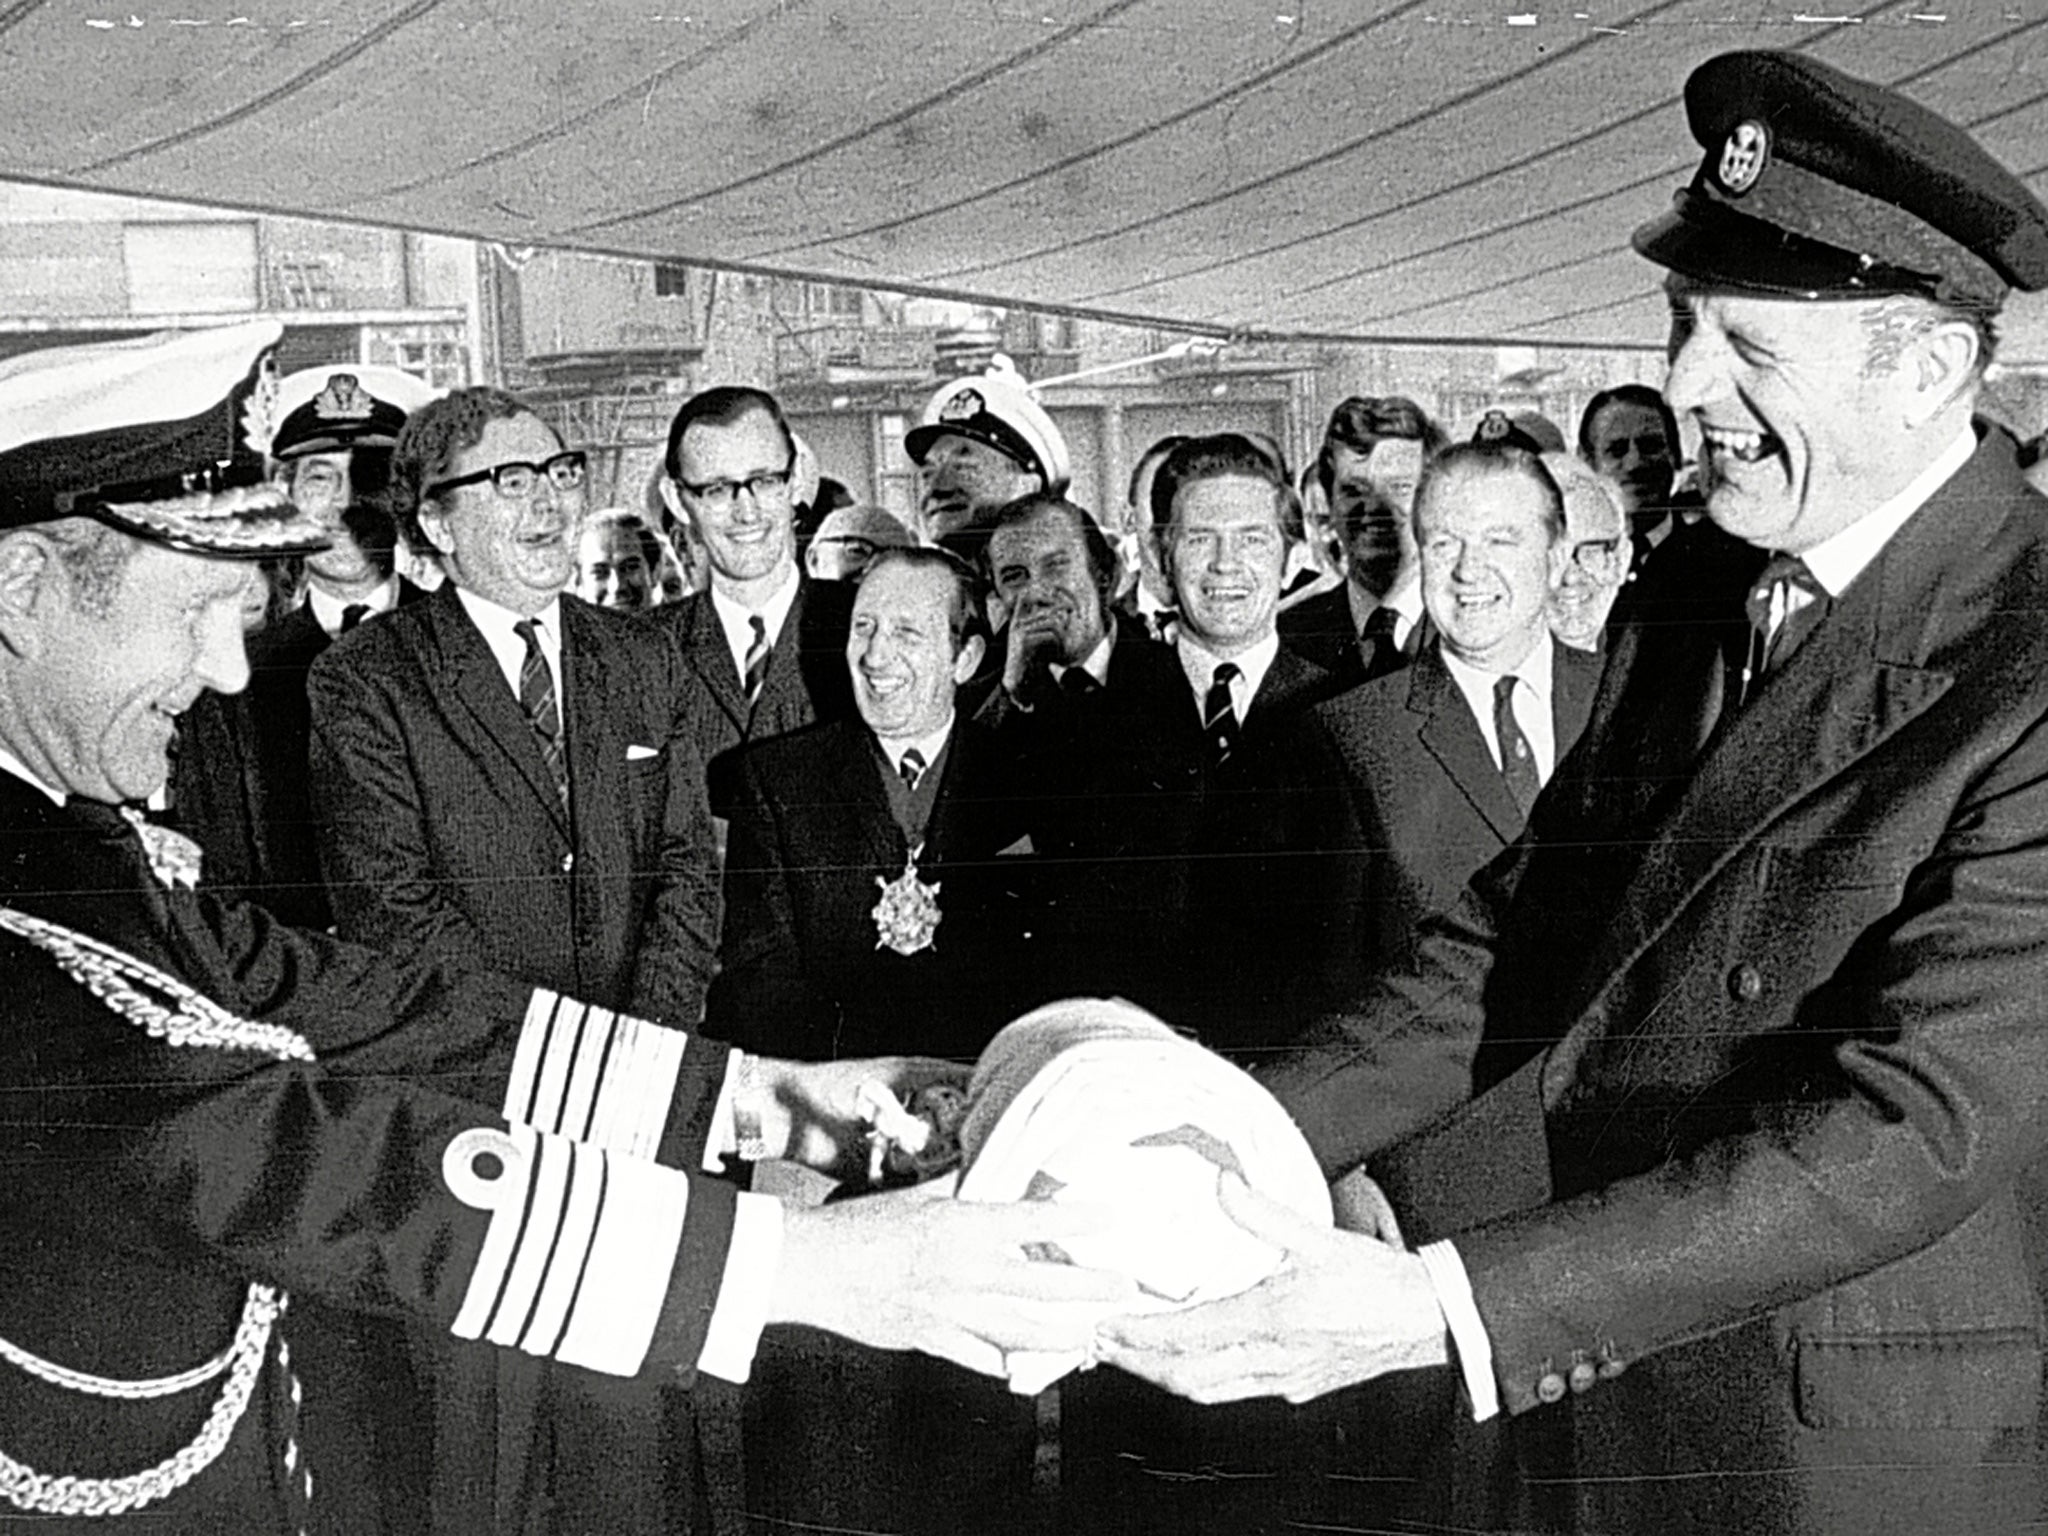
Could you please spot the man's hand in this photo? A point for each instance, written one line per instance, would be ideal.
(914, 1269)
(811, 1111)
(1341, 1309)
(1032, 646)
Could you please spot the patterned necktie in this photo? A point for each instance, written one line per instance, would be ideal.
(1376, 640)
(911, 769)
(1517, 762)
(754, 670)
(1769, 645)
(1219, 720)
(537, 698)
(353, 615)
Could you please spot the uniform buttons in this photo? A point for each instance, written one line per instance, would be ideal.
(1583, 1376)
(568, 862)
(1549, 1387)
(1745, 983)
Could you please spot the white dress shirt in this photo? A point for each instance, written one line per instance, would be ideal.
(927, 746)
(508, 648)
(330, 611)
(1530, 700)
(737, 619)
(1200, 667)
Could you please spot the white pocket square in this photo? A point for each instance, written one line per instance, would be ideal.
(640, 754)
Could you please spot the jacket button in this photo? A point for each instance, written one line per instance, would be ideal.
(1583, 1376)
(568, 862)
(1549, 1387)
(1745, 983)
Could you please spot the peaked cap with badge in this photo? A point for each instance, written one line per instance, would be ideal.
(1818, 185)
(342, 406)
(996, 408)
(152, 436)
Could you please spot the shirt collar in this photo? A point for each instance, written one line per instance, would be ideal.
(381, 598)
(1252, 665)
(735, 617)
(1405, 600)
(1535, 672)
(495, 619)
(1840, 558)
(1096, 662)
(928, 746)
(9, 763)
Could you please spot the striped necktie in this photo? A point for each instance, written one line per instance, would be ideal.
(754, 670)
(537, 698)
(1219, 718)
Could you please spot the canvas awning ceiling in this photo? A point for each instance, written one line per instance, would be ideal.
(1293, 168)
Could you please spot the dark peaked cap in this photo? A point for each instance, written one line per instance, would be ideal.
(1821, 185)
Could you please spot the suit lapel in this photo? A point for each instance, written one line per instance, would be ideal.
(1450, 734)
(858, 796)
(592, 741)
(485, 701)
(704, 647)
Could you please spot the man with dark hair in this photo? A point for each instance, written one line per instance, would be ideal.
(1718, 1107)
(208, 1109)
(1372, 456)
(239, 785)
(1053, 576)
(506, 779)
(1630, 434)
(767, 642)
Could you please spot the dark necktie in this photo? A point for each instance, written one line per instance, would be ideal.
(911, 769)
(537, 698)
(1376, 641)
(1078, 682)
(1768, 648)
(353, 615)
(1517, 762)
(1219, 720)
(755, 668)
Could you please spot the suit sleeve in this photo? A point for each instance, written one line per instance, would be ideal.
(1913, 1089)
(678, 937)
(762, 998)
(557, 1233)
(373, 834)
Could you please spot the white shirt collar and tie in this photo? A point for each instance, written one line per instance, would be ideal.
(1199, 666)
(332, 612)
(508, 647)
(1535, 676)
(928, 747)
(1404, 602)
(737, 620)
(1095, 663)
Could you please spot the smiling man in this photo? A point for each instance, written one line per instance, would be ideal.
(766, 642)
(506, 780)
(982, 442)
(1719, 1110)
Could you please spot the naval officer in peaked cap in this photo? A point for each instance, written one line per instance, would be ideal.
(1708, 1119)
(207, 1112)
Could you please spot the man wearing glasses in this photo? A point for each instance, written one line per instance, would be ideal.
(505, 779)
(768, 644)
(1596, 527)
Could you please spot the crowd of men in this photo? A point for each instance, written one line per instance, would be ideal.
(1630, 882)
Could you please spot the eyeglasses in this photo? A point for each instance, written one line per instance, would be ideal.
(1596, 556)
(718, 495)
(516, 479)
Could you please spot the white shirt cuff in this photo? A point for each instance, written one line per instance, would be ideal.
(746, 1290)
(1468, 1334)
(724, 1139)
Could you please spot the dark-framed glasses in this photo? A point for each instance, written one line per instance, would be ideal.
(516, 479)
(718, 495)
(1596, 557)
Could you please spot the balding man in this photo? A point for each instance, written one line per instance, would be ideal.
(1716, 1115)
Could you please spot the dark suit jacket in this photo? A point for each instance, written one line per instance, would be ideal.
(1191, 887)
(1320, 629)
(1695, 565)
(239, 786)
(812, 838)
(1416, 798)
(1761, 1066)
(441, 831)
(807, 679)
(147, 1182)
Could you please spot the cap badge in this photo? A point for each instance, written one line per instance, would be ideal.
(260, 410)
(1744, 157)
(344, 399)
(1494, 427)
(964, 405)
